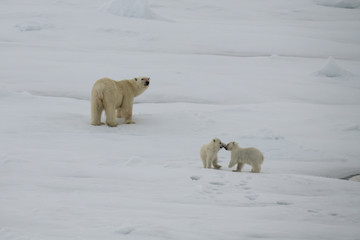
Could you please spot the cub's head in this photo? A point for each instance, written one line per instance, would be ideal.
(143, 82)
(218, 143)
(230, 146)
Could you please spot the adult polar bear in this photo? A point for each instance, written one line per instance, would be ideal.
(112, 96)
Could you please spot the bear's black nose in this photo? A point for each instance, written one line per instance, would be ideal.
(147, 83)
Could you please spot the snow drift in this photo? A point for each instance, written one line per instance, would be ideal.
(340, 3)
(333, 70)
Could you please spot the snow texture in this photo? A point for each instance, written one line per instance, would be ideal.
(281, 76)
(340, 3)
(130, 8)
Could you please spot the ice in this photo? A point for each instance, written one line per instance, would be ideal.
(255, 72)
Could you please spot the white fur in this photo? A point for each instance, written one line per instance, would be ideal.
(208, 153)
(241, 156)
(112, 96)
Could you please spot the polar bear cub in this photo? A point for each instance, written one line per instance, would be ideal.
(241, 156)
(208, 153)
(112, 96)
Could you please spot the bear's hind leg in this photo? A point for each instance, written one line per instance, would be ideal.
(203, 159)
(96, 110)
(256, 169)
(110, 116)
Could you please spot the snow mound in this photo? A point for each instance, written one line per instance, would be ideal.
(332, 70)
(130, 8)
(351, 4)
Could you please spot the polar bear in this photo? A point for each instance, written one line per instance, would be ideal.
(112, 96)
(240, 156)
(208, 153)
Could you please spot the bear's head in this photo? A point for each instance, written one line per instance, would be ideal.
(218, 143)
(143, 82)
(230, 146)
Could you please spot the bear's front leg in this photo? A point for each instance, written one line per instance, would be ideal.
(239, 167)
(126, 111)
(215, 164)
(208, 162)
(118, 113)
(129, 120)
(127, 116)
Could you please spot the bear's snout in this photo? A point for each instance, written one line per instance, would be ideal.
(147, 83)
(223, 146)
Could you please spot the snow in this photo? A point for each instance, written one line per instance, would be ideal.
(332, 69)
(340, 3)
(281, 76)
(129, 8)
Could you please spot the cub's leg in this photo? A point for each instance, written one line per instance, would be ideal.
(215, 164)
(256, 169)
(239, 167)
(203, 159)
(208, 162)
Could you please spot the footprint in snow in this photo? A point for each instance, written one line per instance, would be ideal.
(195, 178)
(126, 230)
(252, 197)
(217, 183)
(284, 203)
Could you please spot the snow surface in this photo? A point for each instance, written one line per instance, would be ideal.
(340, 3)
(282, 76)
(129, 8)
